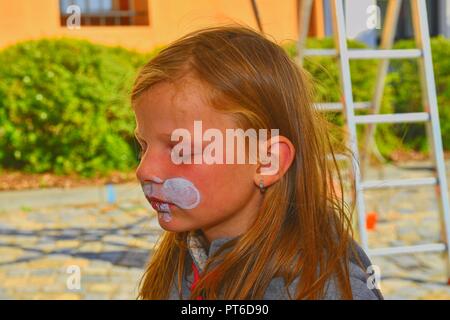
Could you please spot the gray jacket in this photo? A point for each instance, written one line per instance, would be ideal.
(276, 289)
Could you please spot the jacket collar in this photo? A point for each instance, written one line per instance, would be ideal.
(199, 249)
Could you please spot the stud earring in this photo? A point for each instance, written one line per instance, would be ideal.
(261, 186)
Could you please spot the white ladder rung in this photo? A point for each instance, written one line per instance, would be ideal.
(432, 247)
(337, 106)
(320, 52)
(384, 54)
(393, 118)
(341, 157)
(367, 54)
(398, 183)
(338, 157)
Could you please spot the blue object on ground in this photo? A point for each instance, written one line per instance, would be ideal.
(110, 193)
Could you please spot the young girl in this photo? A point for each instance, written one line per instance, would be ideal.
(241, 230)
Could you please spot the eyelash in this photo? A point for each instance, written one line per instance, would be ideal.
(140, 154)
(141, 149)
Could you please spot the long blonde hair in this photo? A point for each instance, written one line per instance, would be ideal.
(304, 226)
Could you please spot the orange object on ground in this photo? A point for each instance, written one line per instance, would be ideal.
(371, 220)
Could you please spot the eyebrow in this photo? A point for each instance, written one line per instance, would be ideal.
(162, 135)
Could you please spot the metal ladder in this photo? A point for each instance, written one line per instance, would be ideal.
(430, 117)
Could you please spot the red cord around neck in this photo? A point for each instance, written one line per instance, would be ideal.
(196, 279)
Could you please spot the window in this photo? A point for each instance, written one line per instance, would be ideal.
(405, 27)
(107, 12)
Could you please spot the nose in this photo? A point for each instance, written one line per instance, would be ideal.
(151, 167)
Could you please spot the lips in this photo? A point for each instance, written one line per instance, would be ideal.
(160, 205)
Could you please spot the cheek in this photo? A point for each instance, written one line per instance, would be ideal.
(223, 185)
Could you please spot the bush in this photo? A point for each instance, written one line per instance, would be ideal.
(64, 107)
(405, 84)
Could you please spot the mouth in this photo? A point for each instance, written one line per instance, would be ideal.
(160, 205)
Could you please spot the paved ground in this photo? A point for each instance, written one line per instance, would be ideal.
(109, 245)
(410, 276)
(407, 217)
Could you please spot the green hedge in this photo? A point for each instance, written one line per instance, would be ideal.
(64, 107)
(405, 85)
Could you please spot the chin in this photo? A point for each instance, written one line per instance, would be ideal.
(174, 226)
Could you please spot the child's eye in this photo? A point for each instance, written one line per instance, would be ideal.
(140, 154)
(142, 146)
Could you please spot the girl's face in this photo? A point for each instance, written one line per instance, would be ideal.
(229, 197)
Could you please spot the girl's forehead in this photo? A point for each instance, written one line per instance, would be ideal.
(167, 103)
(169, 106)
(172, 97)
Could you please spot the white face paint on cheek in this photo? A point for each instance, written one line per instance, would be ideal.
(182, 192)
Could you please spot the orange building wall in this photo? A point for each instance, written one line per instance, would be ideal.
(169, 19)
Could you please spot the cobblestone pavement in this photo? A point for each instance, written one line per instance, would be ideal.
(110, 244)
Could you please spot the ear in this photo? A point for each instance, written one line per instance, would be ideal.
(280, 154)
